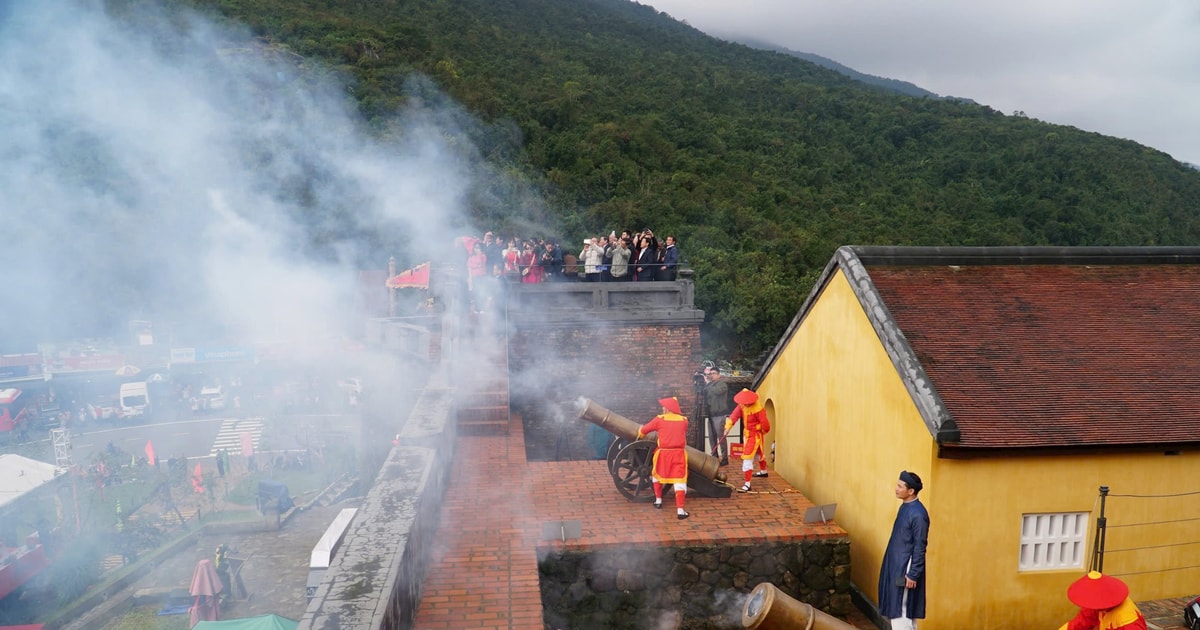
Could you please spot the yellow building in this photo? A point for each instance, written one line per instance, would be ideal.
(1016, 382)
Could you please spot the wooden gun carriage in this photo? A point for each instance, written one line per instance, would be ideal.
(631, 461)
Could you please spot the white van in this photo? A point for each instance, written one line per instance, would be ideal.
(212, 398)
(134, 400)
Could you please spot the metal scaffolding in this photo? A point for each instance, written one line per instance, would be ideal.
(61, 439)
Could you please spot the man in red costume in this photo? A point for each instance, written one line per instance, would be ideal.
(670, 458)
(756, 426)
(1104, 604)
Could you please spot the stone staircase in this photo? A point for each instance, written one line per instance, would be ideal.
(483, 405)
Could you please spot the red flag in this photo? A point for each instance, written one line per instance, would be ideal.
(415, 278)
(198, 480)
(150, 453)
(247, 440)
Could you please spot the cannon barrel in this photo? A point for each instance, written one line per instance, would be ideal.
(769, 608)
(699, 462)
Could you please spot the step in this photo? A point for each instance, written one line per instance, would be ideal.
(483, 420)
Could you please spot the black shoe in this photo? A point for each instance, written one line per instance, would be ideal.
(745, 487)
(724, 461)
(761, 473)
(658, 506)
(682, 516)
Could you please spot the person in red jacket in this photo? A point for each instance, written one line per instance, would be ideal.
(1104, 604)
(670, 458)
(756, 426)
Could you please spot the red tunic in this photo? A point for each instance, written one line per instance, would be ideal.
(670, 459)
(1125, 616)
(756, 424)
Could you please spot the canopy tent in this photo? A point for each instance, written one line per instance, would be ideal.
(19, 475)
(415, 278)
(261, 622)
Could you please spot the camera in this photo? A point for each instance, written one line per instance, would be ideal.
(698, 377)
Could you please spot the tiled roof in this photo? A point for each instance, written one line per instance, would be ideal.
(1055, 353)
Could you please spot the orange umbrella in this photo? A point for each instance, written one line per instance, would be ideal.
(150, 453)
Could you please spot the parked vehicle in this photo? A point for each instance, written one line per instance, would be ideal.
(12, 410)
(104, 408)
(135, 400)
(212, 398)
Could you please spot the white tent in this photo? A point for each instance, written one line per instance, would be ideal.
(19, 475)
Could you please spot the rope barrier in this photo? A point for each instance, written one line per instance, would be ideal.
(1193, 566)
(1155, 496)
(1182, 544)
(1178, 520)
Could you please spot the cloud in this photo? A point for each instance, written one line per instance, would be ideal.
(1113, 67)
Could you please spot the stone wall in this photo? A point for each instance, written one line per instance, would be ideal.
(374, 581)
(691, 587)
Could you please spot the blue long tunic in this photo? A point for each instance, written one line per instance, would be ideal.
(910, 535)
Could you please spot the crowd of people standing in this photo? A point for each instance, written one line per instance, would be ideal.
(628, 257)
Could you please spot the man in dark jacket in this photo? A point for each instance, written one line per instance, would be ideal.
(716, 397)
(670, 260)
(902, 576)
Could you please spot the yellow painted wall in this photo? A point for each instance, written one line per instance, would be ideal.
(845, 426)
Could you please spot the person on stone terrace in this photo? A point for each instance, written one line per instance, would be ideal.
(670, 260)
(592, 257)
(528, 263)
(755, 425)
(670, 459)
(1104, 604)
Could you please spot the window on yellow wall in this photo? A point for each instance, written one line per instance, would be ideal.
(1053, 541)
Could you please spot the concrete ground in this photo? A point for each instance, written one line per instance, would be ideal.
(275, 571)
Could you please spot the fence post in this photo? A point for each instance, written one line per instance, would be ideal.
(1097, 563)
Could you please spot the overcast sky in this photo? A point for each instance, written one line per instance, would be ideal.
(1123, 68)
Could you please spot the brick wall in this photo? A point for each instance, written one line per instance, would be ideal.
(550, 367)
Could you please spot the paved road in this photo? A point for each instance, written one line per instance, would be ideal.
(275, 571)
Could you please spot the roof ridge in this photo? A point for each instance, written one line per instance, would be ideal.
(1041, 255)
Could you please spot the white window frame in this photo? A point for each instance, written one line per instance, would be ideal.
(1053, 541)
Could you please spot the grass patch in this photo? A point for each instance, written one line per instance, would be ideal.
(298, 482)
(146, 618)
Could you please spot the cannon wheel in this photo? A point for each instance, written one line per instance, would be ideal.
(632, 471)
(615, 447)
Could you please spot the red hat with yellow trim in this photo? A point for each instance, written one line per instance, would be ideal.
(671, 404)
(1096, 591)
(745, 397)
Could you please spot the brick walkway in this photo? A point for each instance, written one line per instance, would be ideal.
(1165, 614)
(484, 572)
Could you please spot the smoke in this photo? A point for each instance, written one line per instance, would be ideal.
(732, 603)
(157, 166)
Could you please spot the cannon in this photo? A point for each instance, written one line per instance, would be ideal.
(631, 461)
(768, 608)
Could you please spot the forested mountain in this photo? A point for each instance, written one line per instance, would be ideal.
(893, 85)
(761, 163)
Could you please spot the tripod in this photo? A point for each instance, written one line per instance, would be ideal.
(696, 438)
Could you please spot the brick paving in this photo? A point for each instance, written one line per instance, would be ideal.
(1165, 614)
(484, 572)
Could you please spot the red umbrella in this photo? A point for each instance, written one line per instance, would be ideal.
(206, 586)
(415, 278)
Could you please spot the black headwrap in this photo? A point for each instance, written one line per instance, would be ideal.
(911, 480)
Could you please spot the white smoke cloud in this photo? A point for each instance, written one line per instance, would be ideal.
(156, 166)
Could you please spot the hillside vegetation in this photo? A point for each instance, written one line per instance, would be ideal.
(761, 163)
